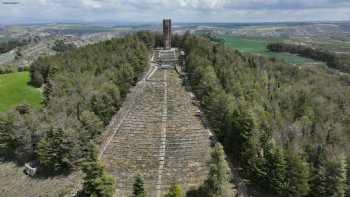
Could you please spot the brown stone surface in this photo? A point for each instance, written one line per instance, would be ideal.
(160, 137)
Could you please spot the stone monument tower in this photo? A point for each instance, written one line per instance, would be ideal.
(167, 33)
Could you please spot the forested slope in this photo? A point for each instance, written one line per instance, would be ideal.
(286, 126)
(83, 88)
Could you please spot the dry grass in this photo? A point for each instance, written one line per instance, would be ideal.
(14, 183)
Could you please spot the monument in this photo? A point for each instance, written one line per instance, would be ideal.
(167, 56)
(167, 33)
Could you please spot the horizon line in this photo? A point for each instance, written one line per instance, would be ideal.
(174, 22)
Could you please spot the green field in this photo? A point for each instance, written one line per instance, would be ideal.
(258, 46)
(14, 90)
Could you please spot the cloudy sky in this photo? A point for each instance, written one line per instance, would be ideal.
(37, 11)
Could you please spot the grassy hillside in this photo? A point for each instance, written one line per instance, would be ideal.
(14, 90)
(250, 45)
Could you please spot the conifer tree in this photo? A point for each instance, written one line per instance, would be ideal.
(347, 189)
(318, 182)
(335, 178)
(217, 183)
(175, 191)
(241, 125)
(96, 181)
(276, 169)
(54, 151)
(139, 190)
(8, 141)
(92, 126)
(297, 177)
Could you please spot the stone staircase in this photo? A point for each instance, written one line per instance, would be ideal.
(158, 135)
(167, 55)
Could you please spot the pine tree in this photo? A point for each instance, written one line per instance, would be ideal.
(318, 182)
(175, 191)
(297, 177)
(347, 190)
(92, 126)
(217, 183)
(335, 178)
(54, 151)
(139, 190)
(96, 181)
(7, 137)
(241, 125)
(276, 169)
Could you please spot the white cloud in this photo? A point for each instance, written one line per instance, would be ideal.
(91, 3)
(180, 10)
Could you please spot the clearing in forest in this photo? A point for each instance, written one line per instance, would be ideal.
(258, 46)
(15, 90)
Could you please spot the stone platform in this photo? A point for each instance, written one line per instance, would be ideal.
(159, 135)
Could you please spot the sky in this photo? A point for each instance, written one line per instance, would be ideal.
(146, 11)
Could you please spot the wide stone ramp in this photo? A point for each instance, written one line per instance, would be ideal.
(159, 137)
(187, 142)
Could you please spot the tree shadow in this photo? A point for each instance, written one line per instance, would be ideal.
(40, 173)
(197, 192)
(46, 174)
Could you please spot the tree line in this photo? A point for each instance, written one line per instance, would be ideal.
(286, 127)
(333, 60)
(12, 44)
(61, 46)
(10, 68)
